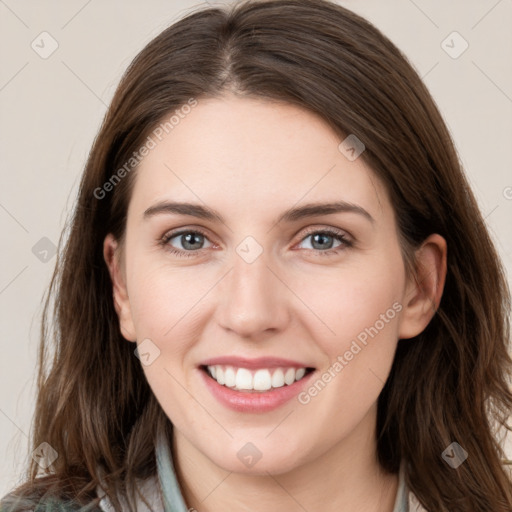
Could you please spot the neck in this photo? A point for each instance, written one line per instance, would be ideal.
(347, 477)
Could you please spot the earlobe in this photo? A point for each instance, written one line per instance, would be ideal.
(425, 289)
(120, 294)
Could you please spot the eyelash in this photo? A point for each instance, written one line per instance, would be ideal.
(345, 242)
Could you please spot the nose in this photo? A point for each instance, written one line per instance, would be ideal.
(253, 299)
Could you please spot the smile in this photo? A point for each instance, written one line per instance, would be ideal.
(254, 385)
(262, 379)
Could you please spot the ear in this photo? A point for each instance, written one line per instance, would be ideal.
(425, 289)
(111, 254)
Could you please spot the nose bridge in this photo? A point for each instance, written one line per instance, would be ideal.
(254, 300)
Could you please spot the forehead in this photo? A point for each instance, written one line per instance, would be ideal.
(249, 154)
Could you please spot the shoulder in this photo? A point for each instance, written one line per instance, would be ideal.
(11, 503)
(150, 490)
(414, 504)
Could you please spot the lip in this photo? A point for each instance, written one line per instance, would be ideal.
(255, 363)
(254, 402)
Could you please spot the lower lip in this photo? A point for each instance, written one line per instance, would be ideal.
(246, 401)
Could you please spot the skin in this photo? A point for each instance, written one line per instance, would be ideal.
(250, 159)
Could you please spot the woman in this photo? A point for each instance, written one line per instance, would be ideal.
(277, 290)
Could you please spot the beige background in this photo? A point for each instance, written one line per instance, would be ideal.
(51, 109)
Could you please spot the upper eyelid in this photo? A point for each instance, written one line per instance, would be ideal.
(171, 234)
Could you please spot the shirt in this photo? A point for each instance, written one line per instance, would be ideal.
(171, 499)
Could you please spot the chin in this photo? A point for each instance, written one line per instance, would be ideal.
(257, 458)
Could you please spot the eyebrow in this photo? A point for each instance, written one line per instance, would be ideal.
(291, 215)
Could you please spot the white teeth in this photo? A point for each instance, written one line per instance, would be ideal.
(262, 380)
(219, 375)
(278, 379)
(289, 376)
(229, 377)
(259, 380)
(243, 379)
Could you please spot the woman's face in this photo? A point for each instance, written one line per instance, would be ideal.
(256, 281)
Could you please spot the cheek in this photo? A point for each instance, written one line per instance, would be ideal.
(348, 302)
(361, 307)
(164, 299)
(166, 306)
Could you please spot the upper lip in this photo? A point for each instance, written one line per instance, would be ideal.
(259, 362)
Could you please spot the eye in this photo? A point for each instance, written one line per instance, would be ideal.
(322, 241)
(191, 241)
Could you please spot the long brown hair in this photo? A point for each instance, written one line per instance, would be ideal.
(450, 383)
